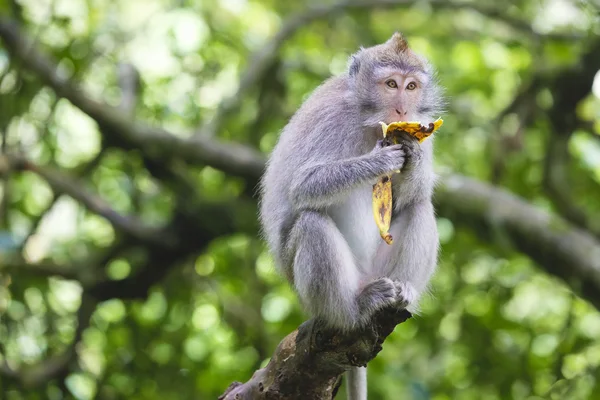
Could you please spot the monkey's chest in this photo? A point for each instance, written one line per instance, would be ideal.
(354, 219)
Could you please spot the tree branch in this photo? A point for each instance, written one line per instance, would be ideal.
(261, 61)
(553, 243)
(561, 249)
(43, 269)
(569, 88)
(232, 158)
(309, 362)
(200, 149)
(63, 184)
(77, 173)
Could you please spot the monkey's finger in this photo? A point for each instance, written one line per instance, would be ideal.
(411, 144)
(407, 137)
(396, 148)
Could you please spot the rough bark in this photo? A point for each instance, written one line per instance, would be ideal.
(309, 362)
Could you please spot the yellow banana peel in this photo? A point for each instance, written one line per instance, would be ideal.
(382, 206)
(382, 190)
(415, 129)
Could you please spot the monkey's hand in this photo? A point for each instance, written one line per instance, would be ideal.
(393, 156)
(413, 153)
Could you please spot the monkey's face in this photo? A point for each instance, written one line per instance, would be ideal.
(392, 83)
(400, 93)
(391, 93)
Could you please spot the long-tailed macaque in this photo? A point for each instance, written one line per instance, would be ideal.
(316, 208)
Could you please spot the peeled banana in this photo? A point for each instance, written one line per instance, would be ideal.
(382, 190)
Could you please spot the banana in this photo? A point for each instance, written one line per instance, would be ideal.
(382, 190)
(415, 129)
(382, 206)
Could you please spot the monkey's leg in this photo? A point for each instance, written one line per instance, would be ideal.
(326, 277)
(411, 261)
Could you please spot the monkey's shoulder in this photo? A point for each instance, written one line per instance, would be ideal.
(328, 107)
(326, 126)
(339, 84)
(328, 94)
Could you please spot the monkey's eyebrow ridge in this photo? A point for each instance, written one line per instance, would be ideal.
(386, 70)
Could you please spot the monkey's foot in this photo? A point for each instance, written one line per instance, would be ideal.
(376, 295)
(405, 294)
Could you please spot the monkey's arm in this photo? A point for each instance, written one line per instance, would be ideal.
(322, 184)
(416, 182)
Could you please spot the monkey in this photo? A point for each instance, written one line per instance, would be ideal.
(316, 192)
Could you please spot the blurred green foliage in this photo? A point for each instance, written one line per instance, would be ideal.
(495, 325)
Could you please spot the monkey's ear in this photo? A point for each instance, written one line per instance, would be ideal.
(354, 65)
(398, 42)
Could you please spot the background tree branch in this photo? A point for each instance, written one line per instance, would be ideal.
(64, 185)
(119, 128)
(553, 243)
(569, 88)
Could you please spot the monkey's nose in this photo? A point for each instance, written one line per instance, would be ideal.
(400, 112)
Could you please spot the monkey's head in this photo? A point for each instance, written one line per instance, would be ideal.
(392, 83)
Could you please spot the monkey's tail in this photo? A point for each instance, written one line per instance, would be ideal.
(356, 383)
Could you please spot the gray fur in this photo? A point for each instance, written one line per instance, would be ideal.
(316, 209)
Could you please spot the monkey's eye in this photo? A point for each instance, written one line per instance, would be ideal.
(391, 83)
(411, 86)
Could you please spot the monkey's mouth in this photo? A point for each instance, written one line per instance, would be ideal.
(416, 129)
(395, 117)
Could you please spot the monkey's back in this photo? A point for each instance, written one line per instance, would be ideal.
(324, 129)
